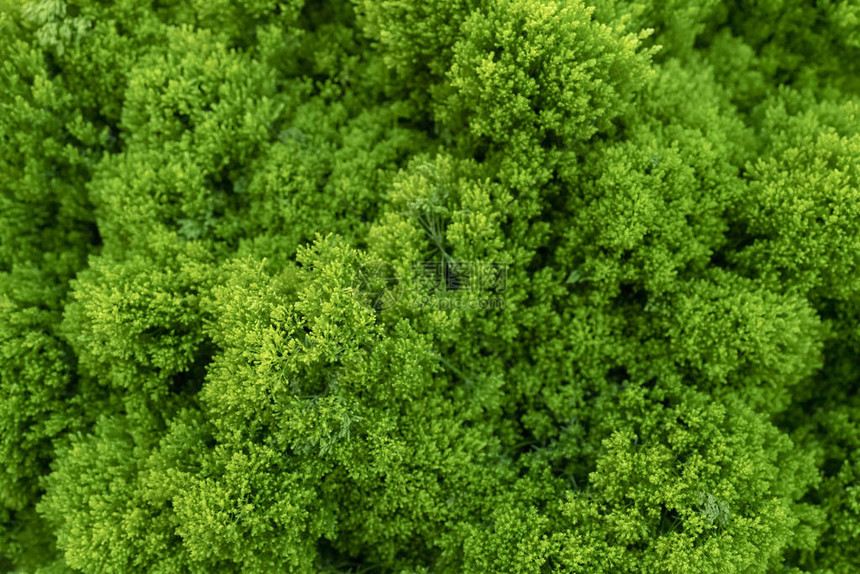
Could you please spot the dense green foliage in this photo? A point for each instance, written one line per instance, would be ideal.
(196, 374)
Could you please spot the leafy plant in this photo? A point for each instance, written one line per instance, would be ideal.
(662, 198)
